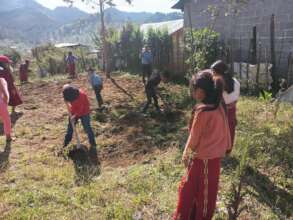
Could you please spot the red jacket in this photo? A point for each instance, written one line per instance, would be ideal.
(81, 106)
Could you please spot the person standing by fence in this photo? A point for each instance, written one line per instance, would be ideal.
(146, 61)
(23, 71)
(71, 67)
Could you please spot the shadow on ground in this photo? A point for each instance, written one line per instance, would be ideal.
(264, 190)
(4, 157)
(87, 166)
(14, 118)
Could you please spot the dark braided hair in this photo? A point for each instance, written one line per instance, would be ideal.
(212, 87)
(222, 69)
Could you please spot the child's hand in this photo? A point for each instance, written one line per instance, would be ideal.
(185, 160)
(73, 118)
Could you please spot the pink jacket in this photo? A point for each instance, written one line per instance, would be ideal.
(209, 135)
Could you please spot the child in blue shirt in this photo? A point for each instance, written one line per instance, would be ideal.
(96, 82)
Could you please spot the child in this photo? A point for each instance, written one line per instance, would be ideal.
(146, 62)
(208, 141)
(78, 105)
(151, 87)
(4, 114)
(96, 82)
(70, 60)
(5, 72)
(230, 95)
(23, 71)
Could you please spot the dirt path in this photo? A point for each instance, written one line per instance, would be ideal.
(120, 131)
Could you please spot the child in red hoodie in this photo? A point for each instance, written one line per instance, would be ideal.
(79, 107)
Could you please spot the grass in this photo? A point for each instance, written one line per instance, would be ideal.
(141, 160)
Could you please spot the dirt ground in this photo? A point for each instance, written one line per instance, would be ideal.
(121, 130)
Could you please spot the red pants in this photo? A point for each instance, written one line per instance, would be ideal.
(232, 120)
(15, 98)
(5, 117)
(23, 76)
(71, 69)
(198, 191)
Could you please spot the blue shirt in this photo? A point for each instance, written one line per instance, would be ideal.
(71, 59)
(95, 80)
(146, 57)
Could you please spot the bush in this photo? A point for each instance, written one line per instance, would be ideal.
(11, 53)
(201, 47)
(52, 59)
(161, 46)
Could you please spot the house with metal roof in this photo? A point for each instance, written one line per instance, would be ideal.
(175, 29)
(255, 31)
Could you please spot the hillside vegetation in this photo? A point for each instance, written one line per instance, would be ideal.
(29, 22)
(141, 158)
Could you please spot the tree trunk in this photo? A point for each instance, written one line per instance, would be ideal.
(104, 38)
(106, 62)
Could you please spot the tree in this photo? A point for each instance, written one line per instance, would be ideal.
(102, 4)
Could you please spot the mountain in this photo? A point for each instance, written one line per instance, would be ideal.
(61, 15)
(83, 29)
(64, 15)
(160, 17)
(10, 5)
(31, 23)
(28, 25)
(113, 15)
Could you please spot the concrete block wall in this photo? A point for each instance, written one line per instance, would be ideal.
(235, 27)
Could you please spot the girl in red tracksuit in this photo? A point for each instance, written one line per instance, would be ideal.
(5, 73)
(231, 94)
(208, 141)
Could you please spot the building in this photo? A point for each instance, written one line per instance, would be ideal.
(176, 32)
(247, 28)
(70, 45)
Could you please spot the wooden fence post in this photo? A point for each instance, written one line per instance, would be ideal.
(258, 68)
(273, 55)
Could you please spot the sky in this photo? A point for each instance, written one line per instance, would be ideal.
(137, 5)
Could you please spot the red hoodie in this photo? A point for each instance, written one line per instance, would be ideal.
(81, 106)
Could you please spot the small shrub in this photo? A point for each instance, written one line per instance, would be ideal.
(201, 47)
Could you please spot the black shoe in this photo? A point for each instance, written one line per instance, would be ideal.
(8, 140)
(159, 111)
(93, 154)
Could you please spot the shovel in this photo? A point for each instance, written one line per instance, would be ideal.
(75, 132)
(73, 126)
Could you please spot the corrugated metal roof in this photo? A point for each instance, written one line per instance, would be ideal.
(170, 26)
(179, 4)
(63, 45)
